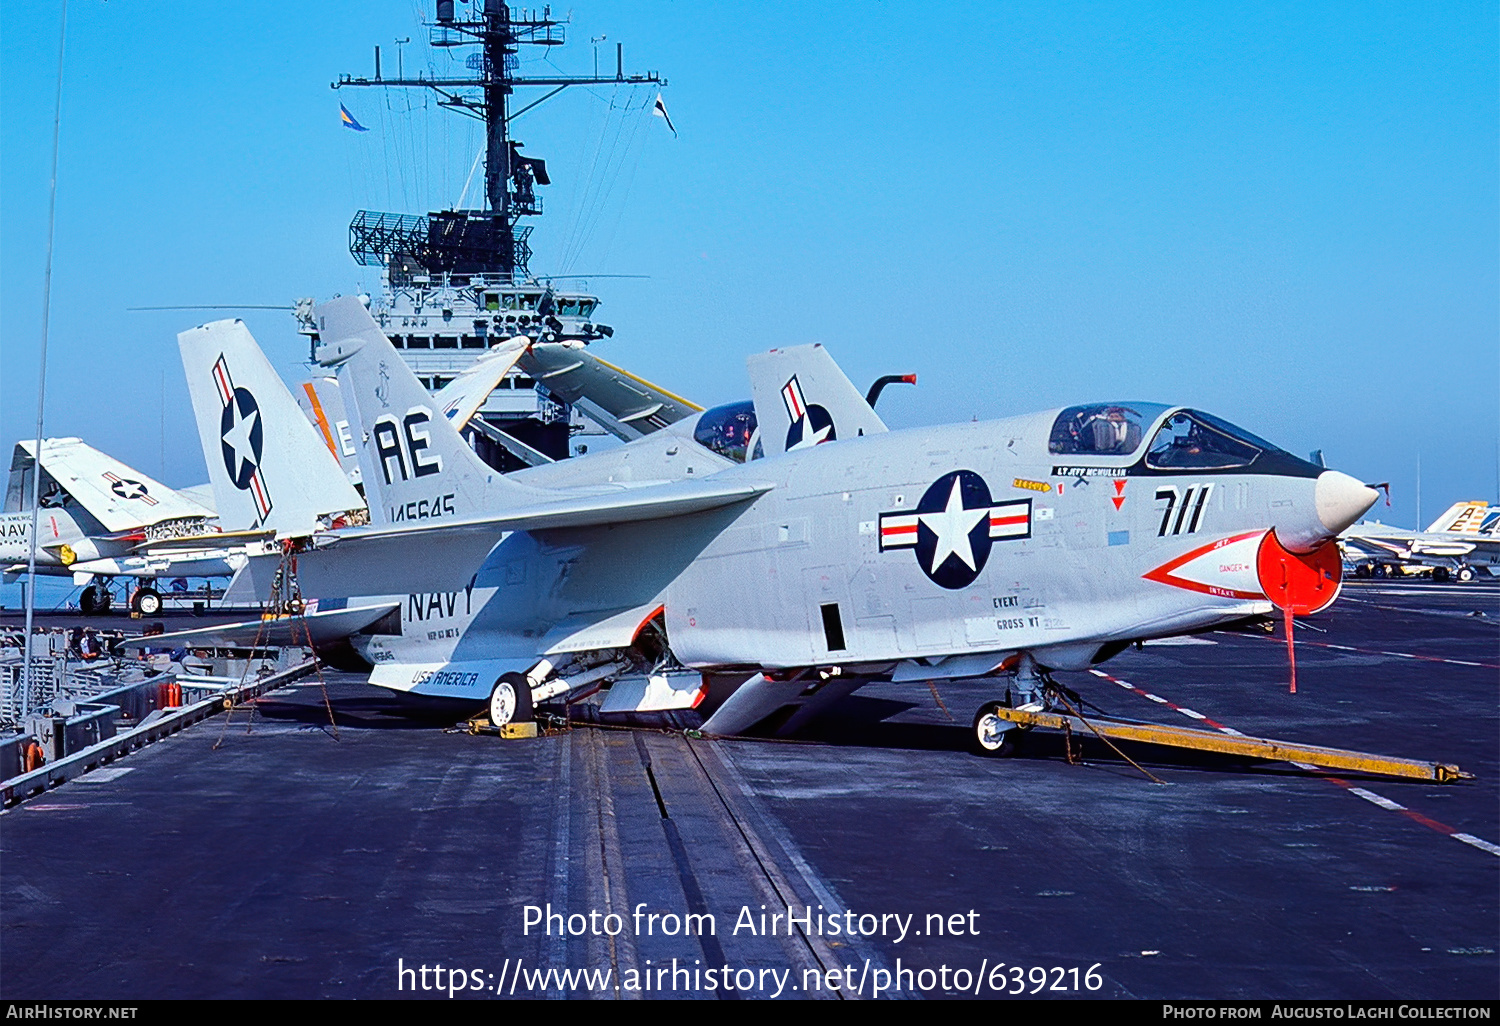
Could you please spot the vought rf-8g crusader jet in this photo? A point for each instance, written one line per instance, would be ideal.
(794, 545)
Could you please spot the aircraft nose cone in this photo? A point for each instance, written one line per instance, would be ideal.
(1341, 500)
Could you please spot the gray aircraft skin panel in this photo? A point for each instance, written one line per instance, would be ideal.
(1072, 570)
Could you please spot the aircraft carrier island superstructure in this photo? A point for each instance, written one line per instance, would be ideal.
(455, 282)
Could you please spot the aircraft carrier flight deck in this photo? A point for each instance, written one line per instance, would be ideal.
(268, 854)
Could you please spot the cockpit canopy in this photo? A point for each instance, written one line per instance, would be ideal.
(1103, 429)
(728, 430)
(1193, 440)
(1184, 439)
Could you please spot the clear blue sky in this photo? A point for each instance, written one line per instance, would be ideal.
(1282, 213)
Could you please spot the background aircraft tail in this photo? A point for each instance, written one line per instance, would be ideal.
(414, 463)
(323, 404)
(1464, 517)
(802, 399)
(268, 467)
(76, 475)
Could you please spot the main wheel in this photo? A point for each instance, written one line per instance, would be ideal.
(988, 737)
(147, 602)
(93, 600)
(510, 700)
(1440, 574)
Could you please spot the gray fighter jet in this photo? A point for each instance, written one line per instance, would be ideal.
(1459, 545)
(794, 546)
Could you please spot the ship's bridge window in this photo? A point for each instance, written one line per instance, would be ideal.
(399, 341)
(567, 306)
(529, 300)
(419, 342)
(1193, 440)
(492, 300)
(727, 430)
(445, 342)
(508, 301)
(473, 342)
(1103, 429)
(585, 308)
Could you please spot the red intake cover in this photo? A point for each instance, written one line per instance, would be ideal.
(1303, 583)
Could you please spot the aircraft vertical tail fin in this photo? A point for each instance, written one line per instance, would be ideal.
(268, 466)
(802, 399)
(414, 463)
(76, 475)
(1463, 517)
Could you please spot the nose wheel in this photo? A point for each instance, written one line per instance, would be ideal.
(993, 735)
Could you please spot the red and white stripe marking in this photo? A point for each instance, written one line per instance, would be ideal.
(222, 383)
(1007, 520)
(1011, 520)
(1367, 795)
(791, 394)
(898, 531)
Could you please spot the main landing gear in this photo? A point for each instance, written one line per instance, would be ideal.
(510, 700)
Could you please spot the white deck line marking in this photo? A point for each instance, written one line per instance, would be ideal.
(1189, 712)
(1156, 698)
(1371, 796)
(1493, 849)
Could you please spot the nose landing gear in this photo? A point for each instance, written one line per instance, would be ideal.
(1030, 690)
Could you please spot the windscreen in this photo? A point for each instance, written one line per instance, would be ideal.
(1194, 440)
